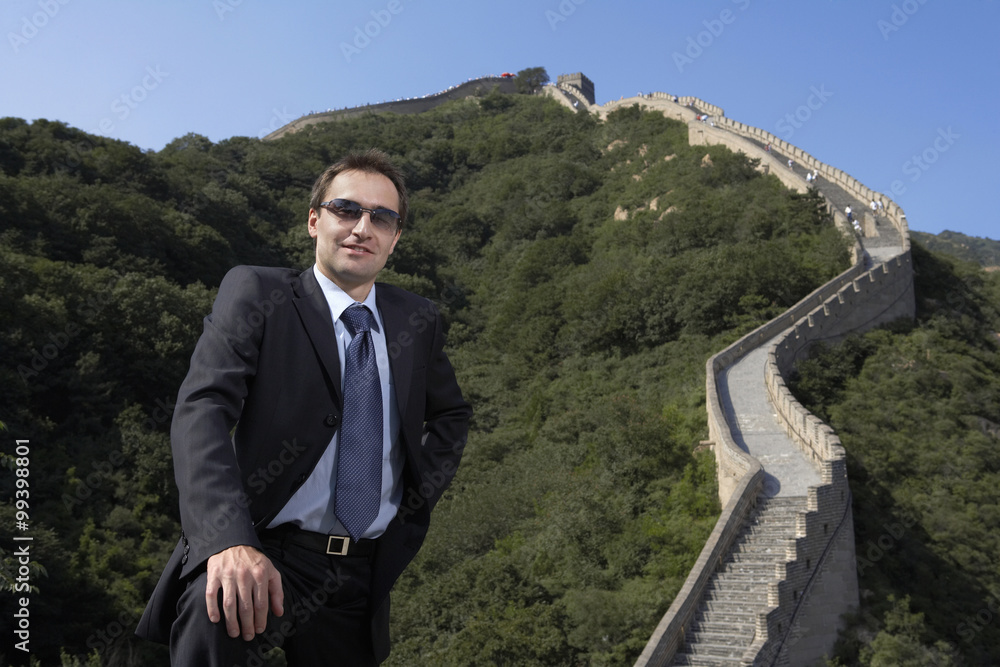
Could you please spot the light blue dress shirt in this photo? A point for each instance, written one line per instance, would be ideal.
(311, 506)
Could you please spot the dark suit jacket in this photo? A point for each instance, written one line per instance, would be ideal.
(267, 366)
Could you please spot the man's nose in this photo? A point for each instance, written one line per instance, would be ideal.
(363, 227)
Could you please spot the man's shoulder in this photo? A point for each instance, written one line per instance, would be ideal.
(265, 273)
(262, 278)
(393, 294)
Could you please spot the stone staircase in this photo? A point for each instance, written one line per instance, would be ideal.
(724, 626)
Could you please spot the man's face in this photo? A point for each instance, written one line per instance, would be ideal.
(351, 253)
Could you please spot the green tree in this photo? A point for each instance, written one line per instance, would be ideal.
(531, 80)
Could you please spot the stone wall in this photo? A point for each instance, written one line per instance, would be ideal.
(471, 88)
(669, 634)
(579, 81)
(818, 581)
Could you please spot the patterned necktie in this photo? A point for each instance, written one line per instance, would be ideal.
(359, 469)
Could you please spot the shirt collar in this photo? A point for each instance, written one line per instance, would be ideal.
(339, 300)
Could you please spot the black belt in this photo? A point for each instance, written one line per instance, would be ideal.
(332, 545)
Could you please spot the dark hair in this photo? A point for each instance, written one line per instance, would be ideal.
(372, 161)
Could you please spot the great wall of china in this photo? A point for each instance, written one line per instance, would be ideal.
(779, 570)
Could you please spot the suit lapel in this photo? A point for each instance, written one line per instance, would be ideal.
(394, 317)
(314, 312)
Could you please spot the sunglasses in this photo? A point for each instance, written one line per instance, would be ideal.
(345, 209)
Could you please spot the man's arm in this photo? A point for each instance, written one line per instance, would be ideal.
(446, 418)
(214, 506)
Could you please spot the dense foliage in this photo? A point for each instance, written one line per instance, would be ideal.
(968, 248)
(579, 336)
(917, 407)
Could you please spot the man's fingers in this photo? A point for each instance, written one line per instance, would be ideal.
(230, 603)
(212, 599)
(260, 606)
(245, 587)
(277, 594)
(250, 585)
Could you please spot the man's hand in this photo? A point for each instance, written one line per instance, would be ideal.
(248, 580)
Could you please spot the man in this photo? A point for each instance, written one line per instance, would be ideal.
(311, 438)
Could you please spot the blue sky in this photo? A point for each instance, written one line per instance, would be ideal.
(898, 93)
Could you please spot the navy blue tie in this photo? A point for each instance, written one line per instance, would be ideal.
(359, 468)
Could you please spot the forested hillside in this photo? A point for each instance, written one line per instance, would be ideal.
(985, 252)
(580, 337)
(917, 407)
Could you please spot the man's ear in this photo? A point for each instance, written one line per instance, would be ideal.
(313, 222)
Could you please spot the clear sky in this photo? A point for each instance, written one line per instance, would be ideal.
(900, 94)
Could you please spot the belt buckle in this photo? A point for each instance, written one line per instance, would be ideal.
(344, 544)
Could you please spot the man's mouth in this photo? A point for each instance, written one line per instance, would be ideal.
(358, 249)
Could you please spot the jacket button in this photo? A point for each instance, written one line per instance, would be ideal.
(331, 420)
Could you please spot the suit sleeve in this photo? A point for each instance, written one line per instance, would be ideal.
(214, 506)
(446, 421)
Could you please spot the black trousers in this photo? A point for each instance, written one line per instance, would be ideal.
(325, 622)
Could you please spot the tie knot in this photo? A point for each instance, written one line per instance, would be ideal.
(357, 319)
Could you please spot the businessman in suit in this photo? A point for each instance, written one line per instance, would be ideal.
(319, 423)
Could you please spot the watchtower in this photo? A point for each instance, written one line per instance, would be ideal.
(579, 80)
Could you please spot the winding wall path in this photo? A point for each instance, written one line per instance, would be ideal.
(767, 590)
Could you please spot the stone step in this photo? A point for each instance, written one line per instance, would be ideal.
(778, 547)
(718, 636)
(746, 600)
(755, 559)
(741, 579)
(704, 661)
(725, 622)
(733, 578)
(782, 513)
(742, 605)
(762, 571)
(770, 528)
(736, 616)
(785, 501)
(761, 577)
(729, 607)
(783, 523)
(702, 628)
(704, 646)
(735, 585)
(746, 569)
